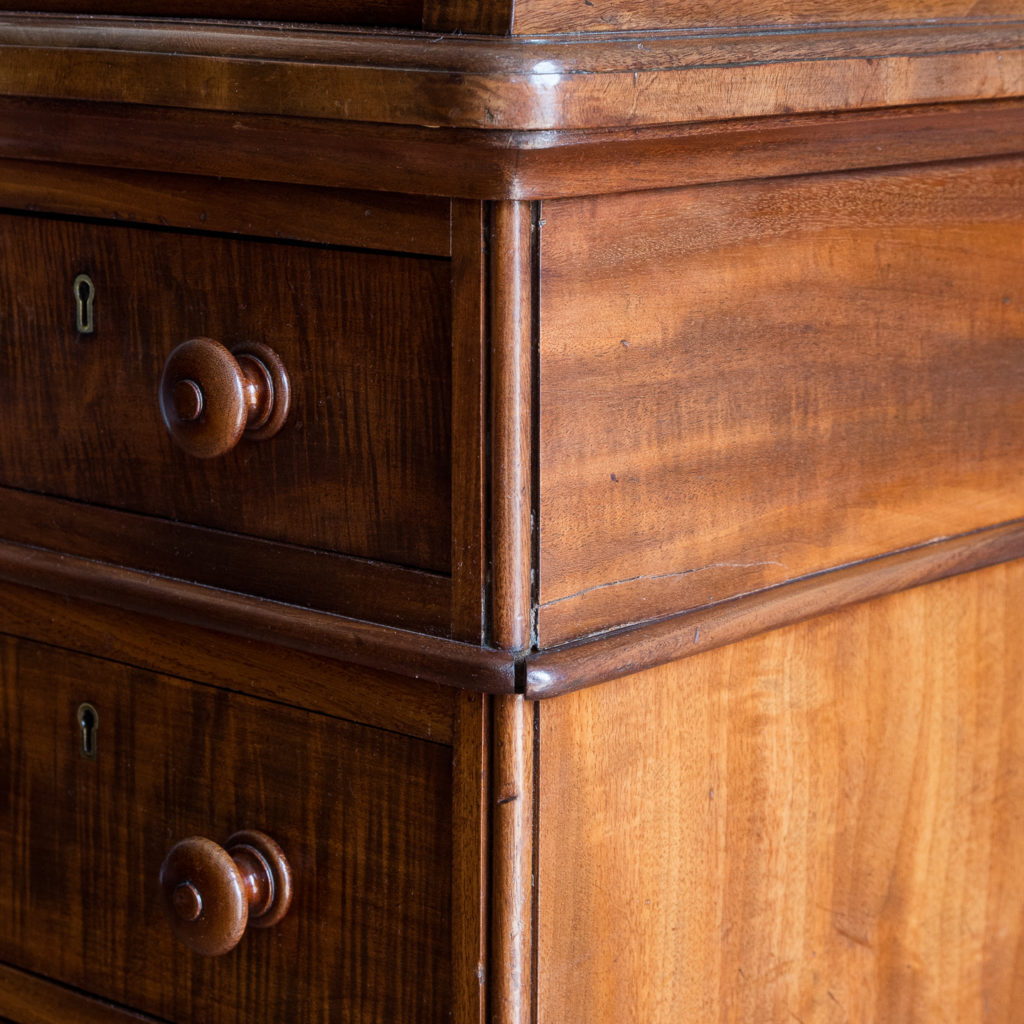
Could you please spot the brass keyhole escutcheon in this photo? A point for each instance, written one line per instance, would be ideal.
(88, 724)
(85, 296)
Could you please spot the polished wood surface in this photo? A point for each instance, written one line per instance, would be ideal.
(627, 650)
(364, 816)
(513, 817)
(540, 16)
(471, 163)
(403, 13)
(820, 824)
(31, 1000)
(744, 384)
(211, 396)
(257, 666)
(620, 626)
(365, 337)
(578, 81)
(367, 220)
(372, 591)
(512, 256)
(402, 651)
(212, 894)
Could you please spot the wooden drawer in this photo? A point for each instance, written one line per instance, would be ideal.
(363, 815)
(772, 379)
(361, 466)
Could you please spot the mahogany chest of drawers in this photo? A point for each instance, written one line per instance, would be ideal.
(511, 514)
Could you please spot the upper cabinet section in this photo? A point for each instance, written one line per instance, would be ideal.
(556, 16)
(373, 13)
(550, 17)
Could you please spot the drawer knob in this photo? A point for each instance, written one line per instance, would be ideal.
(211, 893)
(211, 396)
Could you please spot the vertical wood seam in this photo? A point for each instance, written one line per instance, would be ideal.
(536, 222)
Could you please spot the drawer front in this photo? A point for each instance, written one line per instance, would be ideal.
(362, 815)
(773, 378)
(362, 464)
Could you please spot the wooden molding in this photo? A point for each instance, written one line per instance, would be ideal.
(383, 647)
(512, 869)
(507, 84)
(464, 162)
(541, 674)
(511, 404)
(626, 651)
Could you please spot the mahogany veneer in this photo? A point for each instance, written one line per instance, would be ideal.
(375, 385)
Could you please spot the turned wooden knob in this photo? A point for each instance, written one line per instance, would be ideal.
(212, 893)
(210, 396)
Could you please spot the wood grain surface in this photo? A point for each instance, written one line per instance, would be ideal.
(399, 651)
(306, 577)
(540, 16)
(361, 467)
(364, 817)
(512, 835)
(252, 667)
(571, 82)
(368, 220)
(471, 902)
(619, 653)
(31, 1000)
(822, 824)
(741, 385)
(379, 13)
(511, 417)
(475, 163)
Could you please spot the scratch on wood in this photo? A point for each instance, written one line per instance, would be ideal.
(662, 576)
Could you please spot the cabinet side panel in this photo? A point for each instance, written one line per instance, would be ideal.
(744, 384)
(820, 824)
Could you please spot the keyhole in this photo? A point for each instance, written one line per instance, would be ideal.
(85, 294)
(88, 722)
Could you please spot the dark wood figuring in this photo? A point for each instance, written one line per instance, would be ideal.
(399, 13)
(569, 309)
(364, 815)
(253, 666)
(32, 1000)
(366, 340)
(469, 422)
(574, 82)
(770, 380)
(471, 828)
(373, 591)
(366, 220)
